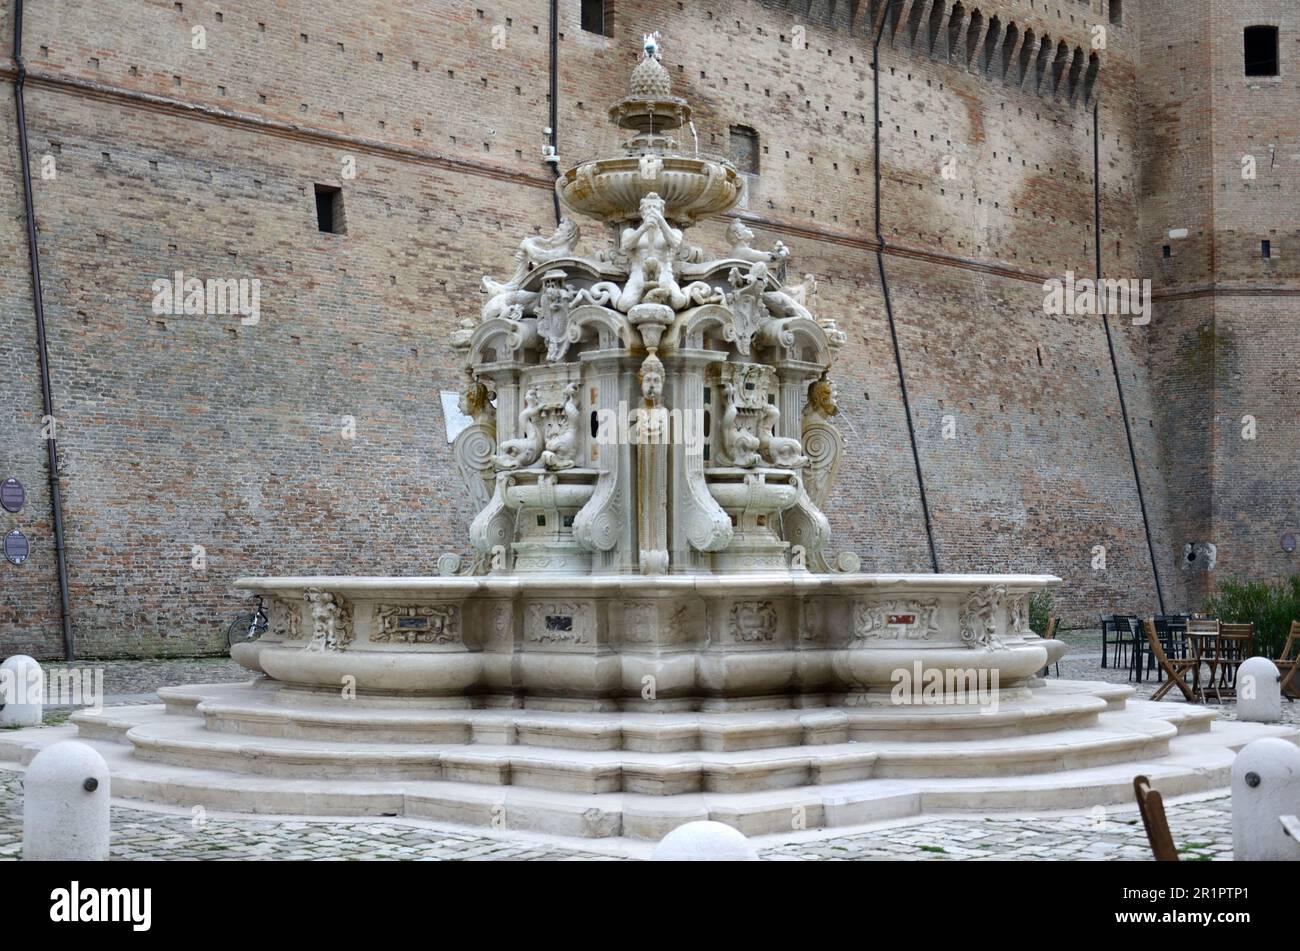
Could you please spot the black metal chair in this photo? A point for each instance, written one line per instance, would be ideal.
(1177, 624)
(1129, 628)
(1117, 633)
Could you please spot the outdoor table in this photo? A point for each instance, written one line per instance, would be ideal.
(1222, 654)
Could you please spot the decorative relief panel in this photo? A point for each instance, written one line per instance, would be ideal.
(753, 621)
(814, 621)
(640, 622)
(282, 620)
(331, 618)
(416, 624)
(978, 618)
(1018, 615)
(896, 620)
(559, 622)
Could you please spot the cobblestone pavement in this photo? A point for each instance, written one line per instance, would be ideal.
(1201, 829)
(150, 834)
(136, 681)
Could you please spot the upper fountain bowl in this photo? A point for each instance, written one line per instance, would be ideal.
(692, 186)
(611, 189)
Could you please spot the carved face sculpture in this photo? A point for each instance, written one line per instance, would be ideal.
(652, 379)
(652, 204)
(563, 234)
(737, 233)
(473, 398)
(822, 395)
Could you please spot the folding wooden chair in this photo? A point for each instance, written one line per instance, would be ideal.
(1236, 644)
(1203, 641)
(1152, 807)
(1175, 669)
(1287, 663)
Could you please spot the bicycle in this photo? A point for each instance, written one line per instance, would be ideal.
(248, 627)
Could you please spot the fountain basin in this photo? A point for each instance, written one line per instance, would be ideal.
(605, 642)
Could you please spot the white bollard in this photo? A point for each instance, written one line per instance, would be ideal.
(1259, 691)
(1265, 787)
(65, 805)
(22, 692)
(704, 842)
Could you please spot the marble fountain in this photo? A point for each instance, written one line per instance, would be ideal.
(653, 627)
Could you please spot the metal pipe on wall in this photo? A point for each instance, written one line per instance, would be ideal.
(555, 100)
(38, 304)
(1110, 344)
(889, 305)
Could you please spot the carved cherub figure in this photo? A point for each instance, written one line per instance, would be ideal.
(803, 293)
(781, 451)
(515, 453)
(562, 437)
(738, 443)
(533, 251)
(740, 238)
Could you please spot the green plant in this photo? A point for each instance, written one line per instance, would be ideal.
(1040, 612)
(1270, 607)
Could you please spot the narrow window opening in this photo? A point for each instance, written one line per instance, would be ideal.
(1266, 249)
(329, 210)
(1167, 252)
(595, 19)
(1117, 12)
(744, 149)
(1261, 51)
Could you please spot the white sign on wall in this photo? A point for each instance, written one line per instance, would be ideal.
(457, 422)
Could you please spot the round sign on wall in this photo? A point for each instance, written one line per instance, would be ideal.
(12, 495)
(1288, 542)
(16, 547)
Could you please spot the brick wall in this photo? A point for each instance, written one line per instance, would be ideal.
(180, 431)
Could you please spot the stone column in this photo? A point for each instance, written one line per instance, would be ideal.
(689, 498)
(505, 381)
(793, 378)
(608, 516)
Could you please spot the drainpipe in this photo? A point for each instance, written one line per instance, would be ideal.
(1110, 344)
(555, 102)
(38, 304)
(889, 306)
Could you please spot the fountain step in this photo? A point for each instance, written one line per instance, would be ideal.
(184, 741)
(1198, 762)
(253, 710)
